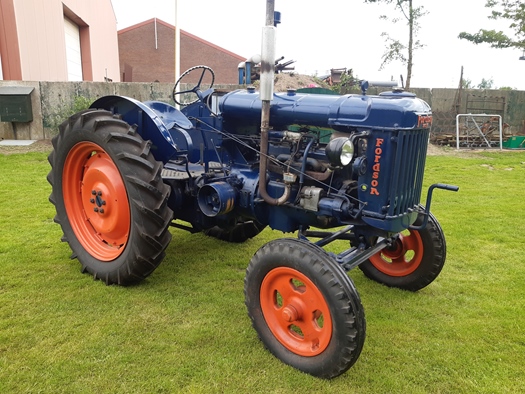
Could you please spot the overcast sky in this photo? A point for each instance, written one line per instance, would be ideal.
(320, 35)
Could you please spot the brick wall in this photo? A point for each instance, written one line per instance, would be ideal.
(144, 58)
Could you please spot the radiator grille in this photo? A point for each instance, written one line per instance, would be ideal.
(408, 170)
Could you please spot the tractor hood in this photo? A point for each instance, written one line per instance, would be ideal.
(241, 110)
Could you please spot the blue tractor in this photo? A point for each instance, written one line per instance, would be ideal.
(325, 167)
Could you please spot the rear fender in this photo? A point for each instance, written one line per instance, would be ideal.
(153, 119)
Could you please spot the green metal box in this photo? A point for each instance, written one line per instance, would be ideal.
(15, 104)
(516, 142)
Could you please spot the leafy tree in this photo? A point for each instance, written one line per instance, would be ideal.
(466, 83)
(511, 10)
(486, 84)
(402, 50)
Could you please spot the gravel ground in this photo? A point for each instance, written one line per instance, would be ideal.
(38, 146)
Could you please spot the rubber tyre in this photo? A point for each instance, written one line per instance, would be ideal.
(239, 233)
(414, 262)
(325, 291)
(96, 150)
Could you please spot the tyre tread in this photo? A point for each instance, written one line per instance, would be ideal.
(432, 263)
(148, 202)
(341, 294)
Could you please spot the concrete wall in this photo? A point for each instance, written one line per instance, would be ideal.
(53, 102)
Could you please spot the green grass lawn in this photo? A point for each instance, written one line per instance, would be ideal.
(185, 329)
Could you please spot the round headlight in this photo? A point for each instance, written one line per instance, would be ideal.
(340, 151)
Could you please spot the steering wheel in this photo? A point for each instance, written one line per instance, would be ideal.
(195, 89)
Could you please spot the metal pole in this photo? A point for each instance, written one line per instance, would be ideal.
(177, 46)
(500, 122)
(457, 131)
(156, 36)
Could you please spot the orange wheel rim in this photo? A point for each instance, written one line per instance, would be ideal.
(96, 201)
(403, 258)
(296, 311)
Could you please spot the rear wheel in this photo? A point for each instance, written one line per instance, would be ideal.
(304, 307)
(109, 197)
(413, 261)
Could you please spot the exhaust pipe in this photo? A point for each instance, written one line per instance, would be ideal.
(266, 96)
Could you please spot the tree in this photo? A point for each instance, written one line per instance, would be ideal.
(396, 49)
(466, 83)
(347, 82)
(511, 10)
(486, 83)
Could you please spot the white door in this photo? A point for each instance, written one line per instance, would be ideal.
(74, 59)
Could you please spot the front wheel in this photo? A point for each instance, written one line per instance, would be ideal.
(109, 197)
(304, 307)
(413, 261)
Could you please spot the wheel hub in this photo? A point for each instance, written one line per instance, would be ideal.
(396, 250)
(296, 311)
(99, 210)
(291, 314)
(98, 201)
(403, 257)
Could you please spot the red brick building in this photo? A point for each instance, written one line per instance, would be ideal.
(147, 54)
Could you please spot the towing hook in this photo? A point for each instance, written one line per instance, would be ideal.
(443, 186)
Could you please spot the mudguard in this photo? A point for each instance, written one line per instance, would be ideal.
(162, 124)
